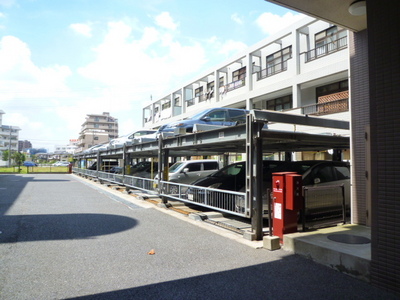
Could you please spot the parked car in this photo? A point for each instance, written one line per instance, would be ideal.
(61, 164)
(29, 164)
(190, 170)
(93, 149)
(317, 173)
(211, 116)
(105, 166)
(144, 169)
(152, 136)
(128, 139)
(233, 176)
(314, 173)
(116, 170)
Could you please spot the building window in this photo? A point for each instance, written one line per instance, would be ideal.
(96, 119)
(96, 125)
(177, 101)
(239, 74)
(198, 92)
(166, 105)
(280, 104)
(210, 90)
(330, 40)
(277, 62)
(332, 88)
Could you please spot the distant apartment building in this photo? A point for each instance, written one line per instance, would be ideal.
(97, 129)
(22, 145)
(8, 137)
(303, 69)
(71, 148)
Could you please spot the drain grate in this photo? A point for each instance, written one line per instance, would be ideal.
(349, 239)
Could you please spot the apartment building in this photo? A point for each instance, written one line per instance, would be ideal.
(8, 138)
(22, 145)
(97, 129)
(302, 69)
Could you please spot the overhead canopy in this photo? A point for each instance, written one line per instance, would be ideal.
(336, 12)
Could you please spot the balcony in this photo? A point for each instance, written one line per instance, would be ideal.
(232, 86)
(326, 49)
(272, 70)
(326, 108)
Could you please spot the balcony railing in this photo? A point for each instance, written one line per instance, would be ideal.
(272, 70)
(232, 86)
(326, 49)
(326, 108)
(190, 102)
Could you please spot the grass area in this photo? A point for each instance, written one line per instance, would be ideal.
(39, 169)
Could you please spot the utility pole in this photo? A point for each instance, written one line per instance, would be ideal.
(9, 149)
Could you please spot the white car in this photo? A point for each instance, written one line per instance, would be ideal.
(129, 138)
(191, 170)
(61, 164)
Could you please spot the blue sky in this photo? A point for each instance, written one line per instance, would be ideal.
(63, 59)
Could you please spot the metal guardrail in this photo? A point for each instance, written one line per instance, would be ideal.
(222, 200)
(225, 201)
(323, 203)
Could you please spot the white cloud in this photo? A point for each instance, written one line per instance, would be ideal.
(7, 3)
(270, 23)
(83, 29)
(226, 48)
(31, 93)
(235, 17)
(143, 65)
(164, 20)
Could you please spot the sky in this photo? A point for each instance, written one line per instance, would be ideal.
(63, 59)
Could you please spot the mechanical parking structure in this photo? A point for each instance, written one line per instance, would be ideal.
(252, 138)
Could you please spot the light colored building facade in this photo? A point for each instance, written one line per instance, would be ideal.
(8, 138)
(302, 69)
(71, 148)
(97, 129)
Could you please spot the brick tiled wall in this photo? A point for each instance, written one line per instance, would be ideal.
(384, 61)
(359, 82)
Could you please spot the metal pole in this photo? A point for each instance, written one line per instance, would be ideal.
(9, 149)
(258, 180)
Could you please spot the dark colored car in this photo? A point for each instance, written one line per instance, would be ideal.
(233, 177)
(322, 181)
(328, 175)
(116, 170)
(211, 116)
(29, 164)
(144, 169)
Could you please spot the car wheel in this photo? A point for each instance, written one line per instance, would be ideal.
(173, 189)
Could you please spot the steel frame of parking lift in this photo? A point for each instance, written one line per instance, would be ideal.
(210, 141)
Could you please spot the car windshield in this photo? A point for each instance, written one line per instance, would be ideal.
(298, 167)
(231, 170)
(197, 116)
(175, 167)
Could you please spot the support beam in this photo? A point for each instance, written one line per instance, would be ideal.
(278, 117)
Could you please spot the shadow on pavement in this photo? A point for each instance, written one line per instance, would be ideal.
(288, 278)
(28, 228)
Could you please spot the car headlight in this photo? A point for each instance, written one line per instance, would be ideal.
(215, 185)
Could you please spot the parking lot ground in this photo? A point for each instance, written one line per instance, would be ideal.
(343, 247)
(63, 238)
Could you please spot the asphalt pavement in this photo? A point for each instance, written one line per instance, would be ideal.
(64, 238)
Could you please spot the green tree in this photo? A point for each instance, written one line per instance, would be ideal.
(5, 155)
(19, 158)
